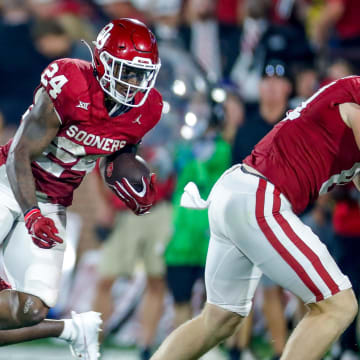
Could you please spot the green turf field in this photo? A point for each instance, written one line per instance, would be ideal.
(57, 350)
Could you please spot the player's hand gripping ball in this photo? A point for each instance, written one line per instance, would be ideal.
(129, 176)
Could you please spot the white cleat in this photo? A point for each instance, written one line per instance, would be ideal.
(86, 344)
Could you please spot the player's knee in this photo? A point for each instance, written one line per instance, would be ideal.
(31, 310)
(343, 307)
(221, 322)
(346, 305)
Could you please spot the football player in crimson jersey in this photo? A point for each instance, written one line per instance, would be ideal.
(81, 111)
(255, 228)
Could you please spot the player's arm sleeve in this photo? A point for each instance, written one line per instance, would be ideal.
(350, 113)
(37, 129)
(62, 82)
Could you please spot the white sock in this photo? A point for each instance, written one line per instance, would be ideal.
(69, 331)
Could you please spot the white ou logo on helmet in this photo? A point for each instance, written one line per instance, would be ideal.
(103, 36)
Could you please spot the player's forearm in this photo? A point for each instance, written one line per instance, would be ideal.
(20, 177)
(37, 129)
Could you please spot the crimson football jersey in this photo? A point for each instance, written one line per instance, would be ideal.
(87, 132)
(312, 149)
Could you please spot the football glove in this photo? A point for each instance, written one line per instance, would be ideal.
(139, 202)
(42, 229)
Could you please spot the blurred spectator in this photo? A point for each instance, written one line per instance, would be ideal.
(165, 18)
(20, 64)
(346, 221)
(69, 13)
(289, 13)
(262, 41)
(185, 259)
(230, 15)
(306, 83)
(234, 116)
(116, 9)
(43, 9)
(274, 91)
(339, 28)
(230, 12)
(74, 16)
(204, 36)
(337, 69)
(128, 240)
(52, 41)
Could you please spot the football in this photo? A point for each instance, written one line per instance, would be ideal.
(126, 165)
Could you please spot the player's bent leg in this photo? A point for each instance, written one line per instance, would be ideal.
(326, 319)
(199, 335)
(35, 273)
(19, 310)
(291, 255)
(22, 318)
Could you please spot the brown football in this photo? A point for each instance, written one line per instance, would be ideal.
(126, 165)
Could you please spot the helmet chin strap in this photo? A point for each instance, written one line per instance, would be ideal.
(115, 107)
(92, 55)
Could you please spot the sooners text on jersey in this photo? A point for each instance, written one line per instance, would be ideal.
(312, 149)
(87, 132)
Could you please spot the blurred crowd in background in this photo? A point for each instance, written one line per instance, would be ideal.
(230, 71)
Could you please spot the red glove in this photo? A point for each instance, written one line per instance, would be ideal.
(139, 202)
(42, 229)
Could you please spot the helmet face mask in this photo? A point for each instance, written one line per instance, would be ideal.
(126, 60)
(123, 79)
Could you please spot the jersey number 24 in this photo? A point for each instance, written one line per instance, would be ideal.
(56, 82)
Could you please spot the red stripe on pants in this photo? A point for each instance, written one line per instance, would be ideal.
(277, 245)
(302, 246)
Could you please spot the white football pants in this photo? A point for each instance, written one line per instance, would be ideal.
(29, 269)
(255, 231)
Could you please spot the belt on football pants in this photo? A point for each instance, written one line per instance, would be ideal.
(246, 171)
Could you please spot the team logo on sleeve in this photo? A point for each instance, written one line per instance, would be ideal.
(83, 105)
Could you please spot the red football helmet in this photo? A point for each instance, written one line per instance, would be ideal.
(126, 60)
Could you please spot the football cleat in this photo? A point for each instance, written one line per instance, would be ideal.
(4, 285)
(85, 346)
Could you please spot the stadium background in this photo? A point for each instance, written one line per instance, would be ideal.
(214, 55)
